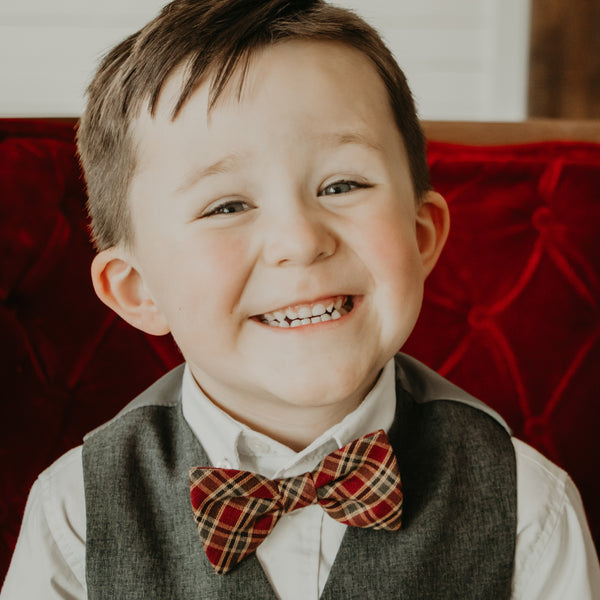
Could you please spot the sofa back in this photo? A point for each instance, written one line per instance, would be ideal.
(510, 312)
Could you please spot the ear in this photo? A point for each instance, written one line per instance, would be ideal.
(433, 225)
(121, 287)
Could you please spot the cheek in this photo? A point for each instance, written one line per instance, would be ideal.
(198, 275)
(216, 274)
(397, 272)
(392, 248)
(220, 258)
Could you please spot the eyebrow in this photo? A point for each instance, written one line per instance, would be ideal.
(224, 165)
(350, 137)
(231, 161)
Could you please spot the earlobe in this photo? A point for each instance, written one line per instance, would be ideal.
(121, 287)
(433, 225)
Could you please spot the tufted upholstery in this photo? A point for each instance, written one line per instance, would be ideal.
(510, 313)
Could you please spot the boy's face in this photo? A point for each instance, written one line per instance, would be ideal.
(296, 196)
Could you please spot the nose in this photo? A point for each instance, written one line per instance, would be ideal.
(298, 235)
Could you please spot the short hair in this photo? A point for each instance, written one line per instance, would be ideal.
(214, 38)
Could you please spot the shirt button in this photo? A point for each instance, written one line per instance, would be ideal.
(258, 446)
(223, 464)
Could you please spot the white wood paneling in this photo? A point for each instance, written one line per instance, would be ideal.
(465, 59)
(505, 78)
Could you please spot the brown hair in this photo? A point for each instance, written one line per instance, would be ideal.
(214, 37)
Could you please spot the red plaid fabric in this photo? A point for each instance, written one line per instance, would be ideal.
(358, 485)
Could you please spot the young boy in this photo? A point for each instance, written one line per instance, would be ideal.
(258, 187)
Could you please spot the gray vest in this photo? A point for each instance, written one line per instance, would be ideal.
(459, 525)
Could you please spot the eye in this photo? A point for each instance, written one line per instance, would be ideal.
(228, 207)
(341, 187)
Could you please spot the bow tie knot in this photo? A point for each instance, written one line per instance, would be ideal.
(297, 492)
(358, 485)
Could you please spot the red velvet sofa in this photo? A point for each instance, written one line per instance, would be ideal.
(510, 313)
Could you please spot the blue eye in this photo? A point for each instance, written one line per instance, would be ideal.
(228, 208)
(340, 187)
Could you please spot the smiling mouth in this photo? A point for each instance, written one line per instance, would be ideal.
(307, 314)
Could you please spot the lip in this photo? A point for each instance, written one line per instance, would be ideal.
(328, 310)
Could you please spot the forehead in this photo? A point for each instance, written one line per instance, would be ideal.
(305, 89)
(273, 64)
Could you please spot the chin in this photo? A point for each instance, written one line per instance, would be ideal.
(334, 387)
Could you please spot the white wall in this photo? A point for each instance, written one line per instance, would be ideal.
(465, 59)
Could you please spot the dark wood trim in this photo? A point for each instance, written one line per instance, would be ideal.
(533, 130)
(564, 62)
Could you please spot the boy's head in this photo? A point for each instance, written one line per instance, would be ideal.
(279, 230)
(214, 38)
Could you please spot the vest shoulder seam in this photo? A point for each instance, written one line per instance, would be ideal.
(426, 385)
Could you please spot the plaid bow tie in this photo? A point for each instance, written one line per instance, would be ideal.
(358, 485)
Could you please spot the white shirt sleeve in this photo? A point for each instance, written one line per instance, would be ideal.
(555, 556)
(49, 559)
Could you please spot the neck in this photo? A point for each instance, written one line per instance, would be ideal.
(295, 427)
(294, 422)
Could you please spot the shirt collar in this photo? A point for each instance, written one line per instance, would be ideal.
(231, 444)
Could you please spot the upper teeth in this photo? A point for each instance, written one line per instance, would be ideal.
(305, 314)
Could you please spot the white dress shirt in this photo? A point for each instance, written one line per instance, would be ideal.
(555, 556)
